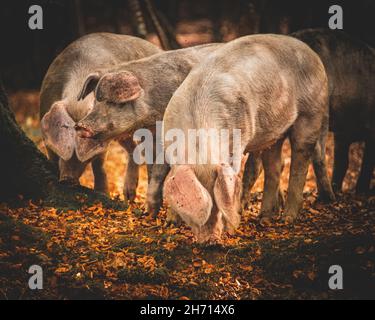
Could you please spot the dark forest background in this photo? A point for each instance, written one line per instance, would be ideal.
(26, 54)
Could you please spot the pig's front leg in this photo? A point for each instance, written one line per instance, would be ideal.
(253, 168)
(132, 171)
(173, 218)
(303, 138)
(341, 161)
(100, 176)
(367, 168)
(155, 188)
(272, 198)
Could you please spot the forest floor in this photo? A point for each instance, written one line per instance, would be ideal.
(96, 252)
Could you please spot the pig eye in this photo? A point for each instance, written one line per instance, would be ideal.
(114, 105)
(123, 105)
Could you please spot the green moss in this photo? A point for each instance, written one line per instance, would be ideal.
(132, 275)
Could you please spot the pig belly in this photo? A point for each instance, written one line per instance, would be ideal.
(260, 146)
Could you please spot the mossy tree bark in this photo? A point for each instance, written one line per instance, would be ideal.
(24, 170)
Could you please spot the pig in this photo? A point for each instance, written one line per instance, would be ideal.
(269, 87)
(60, 110)
(134, 95)
(350, 66)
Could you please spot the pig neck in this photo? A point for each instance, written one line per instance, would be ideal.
(168, 70)
(159, 85)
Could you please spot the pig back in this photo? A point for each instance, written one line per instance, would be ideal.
(252, 83)
(89, 53)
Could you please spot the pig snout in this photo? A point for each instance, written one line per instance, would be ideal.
(66, 180)
(83, 131)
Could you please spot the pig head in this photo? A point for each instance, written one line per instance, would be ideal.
(209, 205)
(118, 105)
(60, 136)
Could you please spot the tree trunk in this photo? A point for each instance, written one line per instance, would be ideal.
(216, 18)
(24, 169)
(139, 23)
(26, 172)
(162, 27)
(78, 19)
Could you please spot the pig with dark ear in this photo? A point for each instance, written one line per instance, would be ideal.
(268, 87)
(61, 106)
(133, 96)
(350, 66)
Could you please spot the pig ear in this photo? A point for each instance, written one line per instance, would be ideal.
(187, 197)
(86, 149)
(227, 193)
(118, 87)
(58, 130)
(89, 86)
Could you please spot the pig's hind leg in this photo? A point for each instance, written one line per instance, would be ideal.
(368, 162)
(100, 176)
(273, 165)
(341, 161)
(132, 171)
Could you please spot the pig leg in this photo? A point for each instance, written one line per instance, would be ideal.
(155, 188)
(303, 138)
(253, 168)
(173, 218)
(297, 178)
(132, 171)
(325, 192)
(100, 177)
(149, 172)
(273, 165)
(341, 161)
(368, 162)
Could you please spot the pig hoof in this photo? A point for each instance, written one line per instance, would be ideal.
(360, 190)
(69, 182)
(152, 211)
(102, 189)
(245, 203)
(153, 207)
(245, 206)
(173, 219)
(265, 221)
(214, 241)
(176, 223)
(336, 188)
(129, 194)
(326, 198)
(289, 219)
